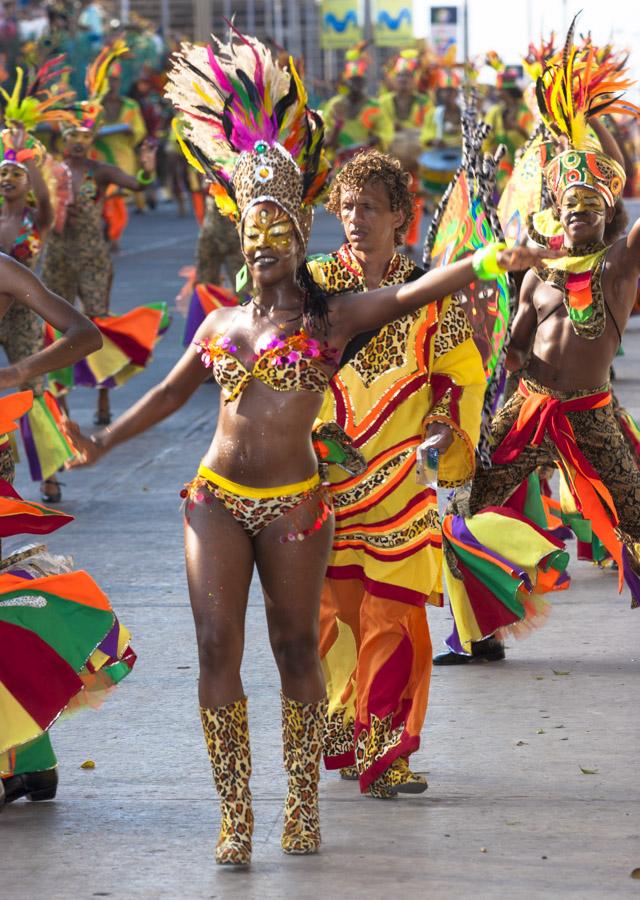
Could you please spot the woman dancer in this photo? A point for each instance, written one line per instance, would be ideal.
(77, 262)
(257, 498)
(26, 214)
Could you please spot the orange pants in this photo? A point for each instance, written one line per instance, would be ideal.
(376, 657)
(114, 212)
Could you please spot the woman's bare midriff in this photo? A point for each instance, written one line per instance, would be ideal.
(264, 438)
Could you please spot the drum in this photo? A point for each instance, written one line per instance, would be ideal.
(406, 148)
(437, 168)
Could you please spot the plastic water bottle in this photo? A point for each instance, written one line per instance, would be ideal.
(427, 459)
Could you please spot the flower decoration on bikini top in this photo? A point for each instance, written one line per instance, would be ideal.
(246, 126)
(570, 92)
(356, 61)
(87, 114)
(37, 96)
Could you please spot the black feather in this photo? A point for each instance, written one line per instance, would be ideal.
(250, 88)
(285, 102)
(568, 44)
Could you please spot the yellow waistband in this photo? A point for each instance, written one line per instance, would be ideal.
(243, 490)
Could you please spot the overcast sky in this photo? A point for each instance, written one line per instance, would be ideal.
(507, 26)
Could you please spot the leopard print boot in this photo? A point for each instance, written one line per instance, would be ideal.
(226, 731)
(302, 734)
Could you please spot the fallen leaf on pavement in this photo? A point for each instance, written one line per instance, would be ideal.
(88, 764)
(556, 672)
(589, 771)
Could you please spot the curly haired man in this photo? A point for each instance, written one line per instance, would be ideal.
(419, 377)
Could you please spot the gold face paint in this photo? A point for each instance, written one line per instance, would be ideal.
(581, 199)
(268, 227)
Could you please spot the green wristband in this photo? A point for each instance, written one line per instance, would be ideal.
(143, 178)
(485, 261)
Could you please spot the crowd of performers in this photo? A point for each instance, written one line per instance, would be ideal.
(330, 401)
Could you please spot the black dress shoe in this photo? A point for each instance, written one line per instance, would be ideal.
(449, 658)
(32, 785)
(488, 650)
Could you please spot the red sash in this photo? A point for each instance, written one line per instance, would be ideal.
(542, 414)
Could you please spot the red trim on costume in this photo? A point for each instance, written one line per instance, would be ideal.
(391, 679)
(432, 540)
(377, 498)
(381, 523)
(440, 384)
(342, 761)
(341, 410)
(415, 385)
(408, 744)
(378, 588)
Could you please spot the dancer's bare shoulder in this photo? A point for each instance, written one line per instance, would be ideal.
(216, 323)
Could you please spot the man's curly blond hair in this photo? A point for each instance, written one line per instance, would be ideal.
(371, 165)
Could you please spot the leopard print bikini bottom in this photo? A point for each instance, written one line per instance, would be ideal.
(255, 508)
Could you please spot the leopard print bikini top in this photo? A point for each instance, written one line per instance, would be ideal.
(284, 363)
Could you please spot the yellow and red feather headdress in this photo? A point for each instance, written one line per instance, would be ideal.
(583, 83)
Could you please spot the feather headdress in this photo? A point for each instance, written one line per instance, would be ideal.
(539, 57)
(88, 113)
(578, 86)
(246, 126)
(35, 97)
(572, 89)
(356, 61)
(406, 61)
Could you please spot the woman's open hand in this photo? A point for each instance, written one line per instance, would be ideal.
(88, 449)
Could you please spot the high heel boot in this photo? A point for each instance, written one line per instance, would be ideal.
(226, 731)
(302, 735)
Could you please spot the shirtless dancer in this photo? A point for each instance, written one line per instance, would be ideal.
(569, 324)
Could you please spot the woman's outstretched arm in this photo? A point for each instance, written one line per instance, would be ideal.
(384, 305)
(79, 335)
(155, 406)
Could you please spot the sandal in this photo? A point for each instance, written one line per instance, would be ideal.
(51, 498)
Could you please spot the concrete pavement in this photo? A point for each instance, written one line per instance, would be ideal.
(511, 809)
